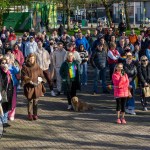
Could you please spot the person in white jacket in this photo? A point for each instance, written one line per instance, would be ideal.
(58, 59)
(43, 60)
(30, 46)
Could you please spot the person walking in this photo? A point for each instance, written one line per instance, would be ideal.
(43, 60)
(58, 58)
(121, 91)
(70, 74)
(32, 80)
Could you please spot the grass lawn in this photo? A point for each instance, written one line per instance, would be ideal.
(71, 32)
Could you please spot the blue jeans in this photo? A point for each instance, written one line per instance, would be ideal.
(5, 117)
(97, 75)
(83, 73)
(130, 104)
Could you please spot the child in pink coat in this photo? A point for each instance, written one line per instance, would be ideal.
(121, 91)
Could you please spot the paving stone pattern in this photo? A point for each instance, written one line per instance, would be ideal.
(59, 129)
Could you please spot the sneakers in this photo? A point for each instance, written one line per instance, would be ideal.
(35, 117)
(11, 118)
(30, 117)
(123, 121)
(132, 112)
(127, 110)
(53, 93)
(118, 121)
(145, 109)
(69, 107)
(5, 125)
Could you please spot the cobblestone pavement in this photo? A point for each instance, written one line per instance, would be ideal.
(58, 128)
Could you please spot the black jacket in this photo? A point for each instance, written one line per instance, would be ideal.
(144, 74)
(99, 59)
(130, 70)
(8, 88)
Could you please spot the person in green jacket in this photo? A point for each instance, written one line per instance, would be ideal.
(70, 74)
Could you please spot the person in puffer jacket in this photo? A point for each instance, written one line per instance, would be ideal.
(121, 91)
(131, 71)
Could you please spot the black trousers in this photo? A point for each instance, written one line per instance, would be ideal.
(120, 104)
(71, 91)
(32, 107)
(143, 99)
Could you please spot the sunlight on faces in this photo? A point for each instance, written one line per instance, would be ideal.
(32, 59)
(70, 57)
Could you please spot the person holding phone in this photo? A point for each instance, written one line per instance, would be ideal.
(121, 91)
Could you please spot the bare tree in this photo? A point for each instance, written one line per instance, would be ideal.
(126, 14)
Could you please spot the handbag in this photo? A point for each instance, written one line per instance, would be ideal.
(146, 91)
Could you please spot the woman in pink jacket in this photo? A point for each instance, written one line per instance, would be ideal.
(18, 55)
(121, 91)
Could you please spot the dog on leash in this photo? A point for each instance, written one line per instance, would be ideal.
(79, 105)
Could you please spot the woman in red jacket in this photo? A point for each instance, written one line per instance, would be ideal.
(121, 91)
(18, 55)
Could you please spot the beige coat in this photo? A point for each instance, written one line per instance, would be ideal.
(43, 58)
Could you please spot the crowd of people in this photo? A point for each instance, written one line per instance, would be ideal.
(62, 60)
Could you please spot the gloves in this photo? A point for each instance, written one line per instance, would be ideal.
(34, 84)
(39, 80)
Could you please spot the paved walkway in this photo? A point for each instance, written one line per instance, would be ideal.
(69, 130)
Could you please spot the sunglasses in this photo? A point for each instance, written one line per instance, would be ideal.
(145, 60)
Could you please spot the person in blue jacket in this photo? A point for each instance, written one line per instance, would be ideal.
(81, 40)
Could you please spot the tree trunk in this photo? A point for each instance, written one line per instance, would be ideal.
(127, 15)
(108, 14)
(68, 14)
(105, 4)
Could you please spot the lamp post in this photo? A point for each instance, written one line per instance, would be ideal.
(134, 13)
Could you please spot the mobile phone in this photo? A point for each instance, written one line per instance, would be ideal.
(122, 72)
